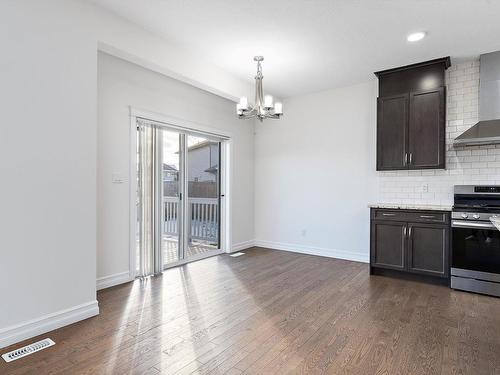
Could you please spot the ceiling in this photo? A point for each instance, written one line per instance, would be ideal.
(314, 45)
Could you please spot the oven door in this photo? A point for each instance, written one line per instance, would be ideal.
(475, 247)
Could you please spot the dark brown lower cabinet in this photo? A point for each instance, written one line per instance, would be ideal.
(428, 249)
(417, 245)
(389, 245)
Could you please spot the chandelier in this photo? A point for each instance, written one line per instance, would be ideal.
(264, 106)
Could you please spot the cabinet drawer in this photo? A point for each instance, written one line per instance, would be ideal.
(428, 217)
(438, 217)
(386, 214)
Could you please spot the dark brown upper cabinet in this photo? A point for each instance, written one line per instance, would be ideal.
(392, 132)
(411, 110)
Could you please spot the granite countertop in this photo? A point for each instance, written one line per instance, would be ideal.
(427, 207)
(495, 221)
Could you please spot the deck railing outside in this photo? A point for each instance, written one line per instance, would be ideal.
(203, 218)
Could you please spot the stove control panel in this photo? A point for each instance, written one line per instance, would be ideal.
(486, 189)
(483, 216)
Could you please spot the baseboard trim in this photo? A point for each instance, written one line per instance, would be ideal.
(242, 246)
(311, 250)
(112, 280)
(46, 323)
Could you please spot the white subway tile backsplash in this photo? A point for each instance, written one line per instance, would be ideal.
(487, 157)
(479, 152)
(482, 165)
(464, 152)
(464, 165)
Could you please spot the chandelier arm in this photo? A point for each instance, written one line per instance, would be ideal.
(259, 98)
(249, 110)
(246, 116)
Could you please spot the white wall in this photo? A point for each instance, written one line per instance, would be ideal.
(48, 154)
(48, 142)
(122, 84)
(464, 165)
(315, 173)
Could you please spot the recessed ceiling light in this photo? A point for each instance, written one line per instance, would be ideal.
(416, 36)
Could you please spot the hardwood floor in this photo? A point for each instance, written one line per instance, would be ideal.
(274, 312)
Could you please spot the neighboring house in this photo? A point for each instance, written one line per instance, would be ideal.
(170, 173)
(203, 169)
(203, 161)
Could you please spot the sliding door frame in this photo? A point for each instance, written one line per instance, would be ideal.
(185, 127)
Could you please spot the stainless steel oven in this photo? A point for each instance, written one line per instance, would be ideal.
(475, 263)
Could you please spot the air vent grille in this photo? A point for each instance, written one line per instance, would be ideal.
(27, 350)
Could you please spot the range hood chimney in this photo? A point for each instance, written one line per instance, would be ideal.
(487, 130)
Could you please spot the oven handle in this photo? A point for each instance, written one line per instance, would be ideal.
(461, 224)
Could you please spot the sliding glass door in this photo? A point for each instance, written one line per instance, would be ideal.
(179, 192)
(171, 197)
(203, 199)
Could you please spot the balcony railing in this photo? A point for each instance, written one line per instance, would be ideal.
(203, 218)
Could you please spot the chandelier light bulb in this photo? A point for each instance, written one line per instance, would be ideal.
(243, 102)
(268, 102)
(278, 108)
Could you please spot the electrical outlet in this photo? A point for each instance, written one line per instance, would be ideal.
(425, 188)
(118, 178)
(303, 232)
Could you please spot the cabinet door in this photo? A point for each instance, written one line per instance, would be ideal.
(392, 124)
(428, 249)
(426, 129)
(388, 245)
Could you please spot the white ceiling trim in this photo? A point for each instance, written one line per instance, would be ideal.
(110, 50)
(122, 38)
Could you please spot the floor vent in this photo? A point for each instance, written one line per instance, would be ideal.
(27, 350)
(234, 255)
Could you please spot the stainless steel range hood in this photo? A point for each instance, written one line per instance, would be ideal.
(487, 130)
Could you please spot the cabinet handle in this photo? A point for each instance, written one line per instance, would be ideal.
(404, 231)
(427, 216)
(410, 157)
(409, 232)
(388, 214)
(406, 158)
